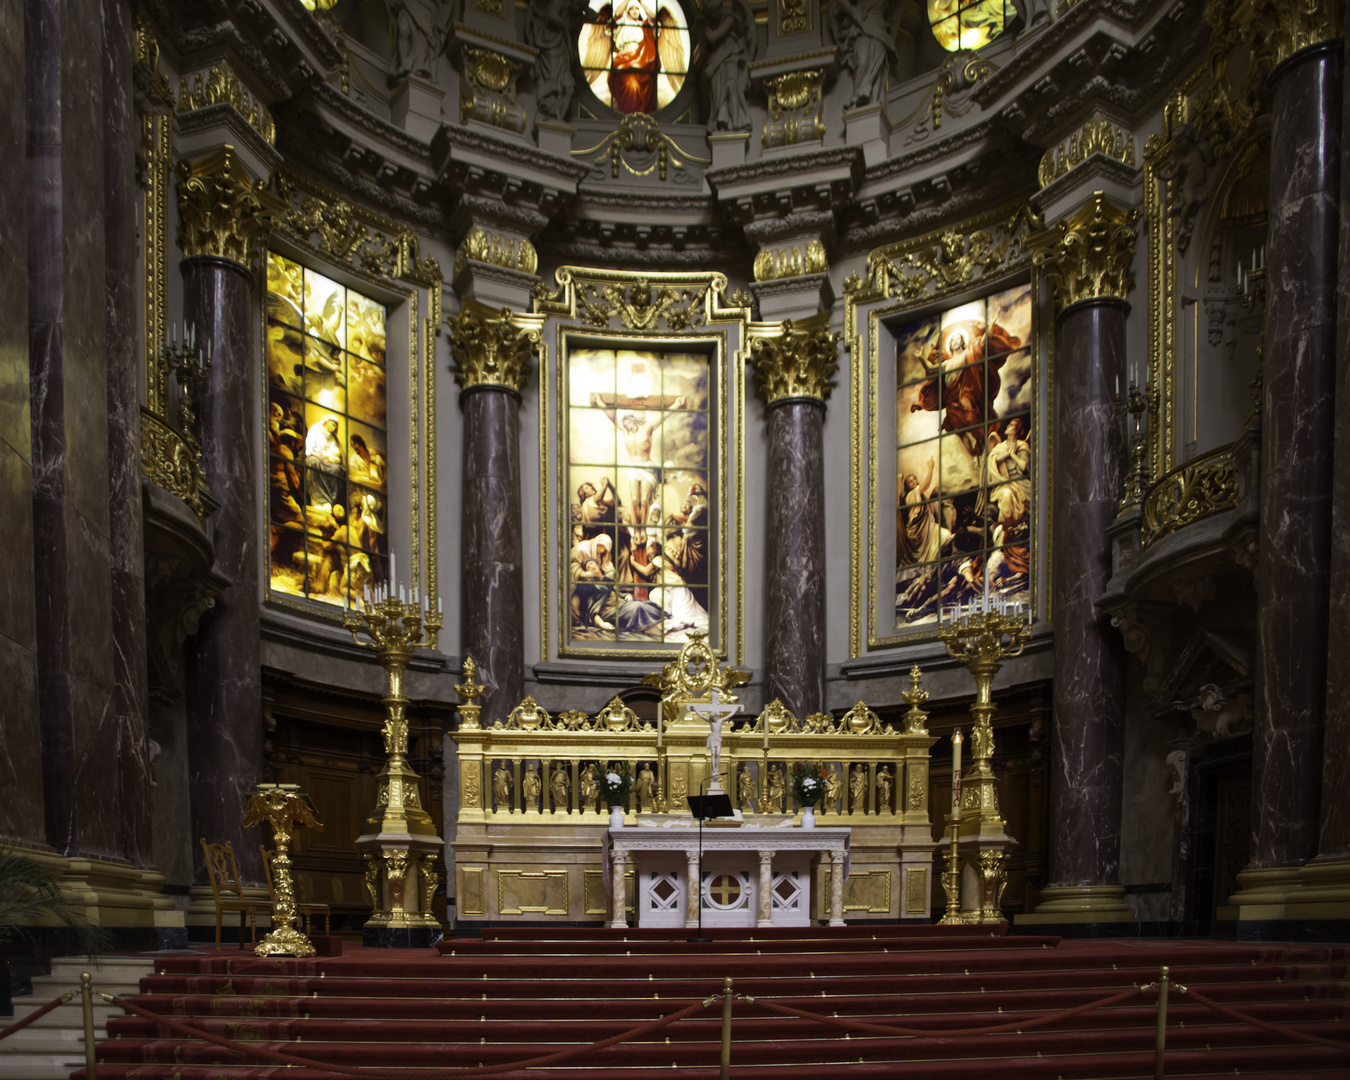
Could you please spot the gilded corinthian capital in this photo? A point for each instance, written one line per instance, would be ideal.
(796, 359)
(1278, 29)
(491, 347)
(222, 210)
(1088, 255)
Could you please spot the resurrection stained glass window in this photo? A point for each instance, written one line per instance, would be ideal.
(966, 24)
(638, 484)
(635, 53)
(963, 493)
(327, 443)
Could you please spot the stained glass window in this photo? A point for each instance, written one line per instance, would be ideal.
(964, 497)
(635, 53)
(638, 487)
(966, 24)
(327, 442)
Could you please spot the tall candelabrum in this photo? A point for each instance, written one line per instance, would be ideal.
(400, 842)
(283, 807)
(191, 365)
(1137, 404)
(981, 640)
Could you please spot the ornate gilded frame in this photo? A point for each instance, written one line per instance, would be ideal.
(695, 311)
(328, 231)
(906, 281)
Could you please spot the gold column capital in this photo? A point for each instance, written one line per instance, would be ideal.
(1087, 256)
(1277, 29)
(492, 346)
(222, 211)
(796, 358)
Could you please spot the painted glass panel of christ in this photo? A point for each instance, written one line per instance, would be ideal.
(635, 53)
(963, 488)
(327, 435)
(637, 479)
(966, 24)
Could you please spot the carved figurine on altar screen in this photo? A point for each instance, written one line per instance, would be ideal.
(775, 790)
(560, 786)
(549, 28)
(531, 787)
(745, 788)
(731, 44)
(857, 789)
(865, 31)
(646, 780)
(831, 791)
(883, 789)
(589, 789)
(501, 787)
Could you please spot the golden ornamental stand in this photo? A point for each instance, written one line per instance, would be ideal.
(978, 641)
(400, 843)
(283, 807)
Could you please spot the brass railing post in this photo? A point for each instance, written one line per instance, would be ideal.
(726, 1028)
(87, 1006)
(1160, 1047)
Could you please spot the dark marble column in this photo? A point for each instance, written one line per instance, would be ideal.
(1297, 422)
(225, 726)
(1334, 840)
(1087, 742)
(126, 542)
(794, 619)
(492, 577)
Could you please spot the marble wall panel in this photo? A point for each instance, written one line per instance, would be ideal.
(21, 810)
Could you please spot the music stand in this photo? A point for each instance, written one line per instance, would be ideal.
(705, 806)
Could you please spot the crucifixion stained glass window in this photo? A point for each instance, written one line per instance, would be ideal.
(635, 53)
(327, 435)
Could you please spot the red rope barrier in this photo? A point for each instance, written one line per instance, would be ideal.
(54, 1003)
(919, 1033)
(1275, 1029)
(247, 1050)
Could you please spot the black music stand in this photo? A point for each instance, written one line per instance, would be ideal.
(706, 806)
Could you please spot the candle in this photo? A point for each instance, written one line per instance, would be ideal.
(438, 605)
(956, 772)
(393, 572)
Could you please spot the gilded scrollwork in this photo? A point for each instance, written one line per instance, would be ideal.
(795, 260)
(491, 347)
(1201, 488)
(639, 147)
(1089, 255)
(795, 109)
(488, 90)
(222, 211)
(171, 461)
(219, 85)
(795, 359)
(640, 305)
(1100, 135)
(479, 245)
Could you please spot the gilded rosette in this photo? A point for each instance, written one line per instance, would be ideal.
(796, 359)
(222, 211)
(1088, 255)
(491, 347)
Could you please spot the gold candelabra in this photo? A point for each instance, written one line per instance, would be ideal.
(981, 640)
(1137, 403)
(400, 842)
(283, 807)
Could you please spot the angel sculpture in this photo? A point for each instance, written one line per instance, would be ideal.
(731, 45)
(633, 53)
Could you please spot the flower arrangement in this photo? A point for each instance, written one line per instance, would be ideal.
(808, 781)
(613, 781)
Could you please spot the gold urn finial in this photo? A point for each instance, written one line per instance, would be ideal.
(915, 697)
(470, 688)
(796, 359)
(491, 346)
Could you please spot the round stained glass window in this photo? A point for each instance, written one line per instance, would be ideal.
(635, 53)
(966, 24)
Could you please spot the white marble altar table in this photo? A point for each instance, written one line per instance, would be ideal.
(666, 859)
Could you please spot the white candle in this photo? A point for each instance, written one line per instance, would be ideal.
(956, 772)
(438, 605)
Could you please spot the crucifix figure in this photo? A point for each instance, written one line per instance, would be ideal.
(716, 713)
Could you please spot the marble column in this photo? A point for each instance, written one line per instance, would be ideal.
(1334, 837)
(1090, 283)
(492, 629)
(126, 540)
(1292, 578)
(225, 725)
(793, 367)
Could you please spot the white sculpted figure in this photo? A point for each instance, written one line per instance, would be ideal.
(716, 713)
(549, 27)
(865, 32)
(731, 45)
(419, 36)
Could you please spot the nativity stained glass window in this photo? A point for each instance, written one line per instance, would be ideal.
(638, 483)
(966, 24)
(635, 53)
(327, 436)
(964, 496)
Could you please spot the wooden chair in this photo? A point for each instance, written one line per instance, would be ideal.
(223, 871)
(305, 911)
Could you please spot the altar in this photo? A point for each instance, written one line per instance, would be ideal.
(754, 875)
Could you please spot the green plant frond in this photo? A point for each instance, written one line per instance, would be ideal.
(29, 896)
